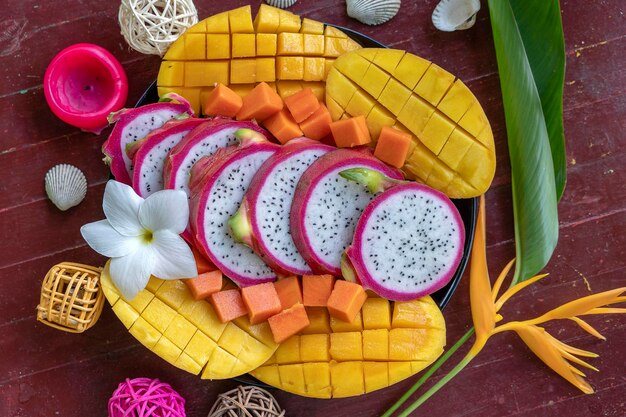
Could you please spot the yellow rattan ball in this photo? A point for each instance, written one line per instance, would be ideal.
(71, 298)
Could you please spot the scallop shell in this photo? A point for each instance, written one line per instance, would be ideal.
(66, 186)
(281, 4)
(372, 12)
(451, 15)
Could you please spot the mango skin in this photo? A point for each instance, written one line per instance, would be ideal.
(361, 357)
(452, 149)
(166, 319)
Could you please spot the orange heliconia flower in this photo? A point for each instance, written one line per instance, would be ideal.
(557, 355)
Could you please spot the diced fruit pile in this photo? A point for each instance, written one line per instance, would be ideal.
(316, 251)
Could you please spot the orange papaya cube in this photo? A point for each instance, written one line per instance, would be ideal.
(222, 101)
(202, 263)
(302, 104)
(228, 305)
(260, 103)
(261, 301)
(289, 292)
(317, 125)
(282, 126)
(346, 300)
(316, 289)
(393, 146)
(204, 284)
(350, 132)
(288, 322)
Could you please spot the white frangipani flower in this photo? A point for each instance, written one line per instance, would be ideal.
(142, 237)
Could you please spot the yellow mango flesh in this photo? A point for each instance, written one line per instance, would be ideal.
(453, 148)
(388, 343)
(185, 332)
(232, 49)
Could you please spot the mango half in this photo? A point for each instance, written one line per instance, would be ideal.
(385, 344)
(187, 333)
(453, 148)
(230, 48)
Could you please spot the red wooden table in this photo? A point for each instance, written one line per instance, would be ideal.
(44, 372)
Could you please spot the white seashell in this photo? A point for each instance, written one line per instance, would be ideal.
(66, 186)
(281, 4)
(372, 12)
(451, 15)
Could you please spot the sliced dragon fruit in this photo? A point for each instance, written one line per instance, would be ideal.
(202, 141)
(152, 152)
(326, 207)
(409, 241)
(216, 197)
(262, 221)
(134, 124)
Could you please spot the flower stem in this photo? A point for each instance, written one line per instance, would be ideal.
(458, 368)
(431, 370)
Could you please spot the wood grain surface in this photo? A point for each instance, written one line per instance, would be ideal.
(44, 372)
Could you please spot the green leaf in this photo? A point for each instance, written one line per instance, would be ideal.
(541, 30)
(532, 169)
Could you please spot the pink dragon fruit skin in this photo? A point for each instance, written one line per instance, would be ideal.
(215, 198)
(134, 124)
(264, 221)
(203, 141)
(326, 207)
(149, 159)
(420, 260)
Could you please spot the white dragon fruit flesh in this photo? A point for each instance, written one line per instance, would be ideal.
(204, 140)
(150, 153)
(216, 198)
(326, 207)
(262, 221)
(134, 124)
(408, 242)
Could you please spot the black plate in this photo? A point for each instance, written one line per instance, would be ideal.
(468, 208)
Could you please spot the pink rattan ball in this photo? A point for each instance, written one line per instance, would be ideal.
(145, 397)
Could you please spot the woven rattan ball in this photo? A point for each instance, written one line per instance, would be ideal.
(71, 298)
(145, 397)
(150, 26)
(248, 401)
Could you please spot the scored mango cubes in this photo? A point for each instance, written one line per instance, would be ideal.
(302, 53)
(352, 358)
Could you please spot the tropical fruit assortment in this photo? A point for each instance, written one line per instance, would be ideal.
(319, 184)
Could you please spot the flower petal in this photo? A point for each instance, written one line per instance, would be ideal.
(121, 208)
(107, 241)
(539, 341)
(483, 309)
(173, 258)
(131, 273)
(165, 209)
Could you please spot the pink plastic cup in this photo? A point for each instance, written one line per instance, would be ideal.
(83, 84)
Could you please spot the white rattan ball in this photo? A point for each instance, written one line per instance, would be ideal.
(150, 26)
